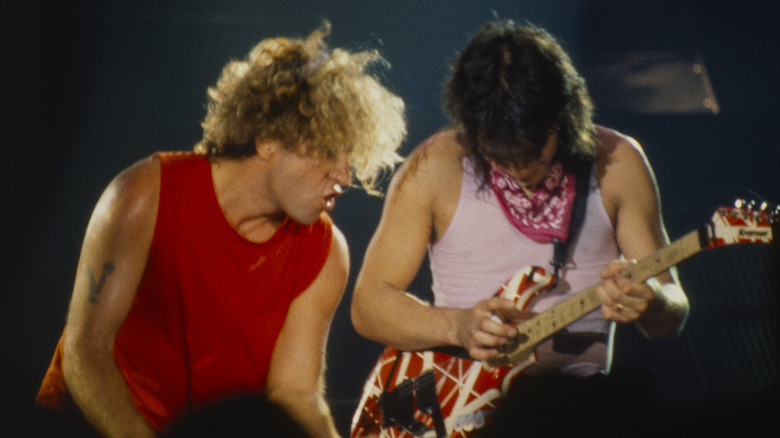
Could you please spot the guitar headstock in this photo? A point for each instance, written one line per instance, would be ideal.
(745, 222)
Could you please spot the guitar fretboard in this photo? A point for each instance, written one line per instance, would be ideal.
(535, 330)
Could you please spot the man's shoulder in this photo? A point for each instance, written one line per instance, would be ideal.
(439, 154)
(613, 144)
(132, 196)
(140, 179)
(443, 142)
(620, 165)
(432, 170)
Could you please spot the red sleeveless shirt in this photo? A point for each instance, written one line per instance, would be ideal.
(211, 304)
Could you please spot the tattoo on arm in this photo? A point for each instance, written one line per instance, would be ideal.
(96, 287)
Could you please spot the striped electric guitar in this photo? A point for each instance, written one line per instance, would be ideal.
(443, 393)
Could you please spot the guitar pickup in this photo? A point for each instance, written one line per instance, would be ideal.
(398, 409)
(398, 406)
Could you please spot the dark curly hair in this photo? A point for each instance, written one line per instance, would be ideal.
(509, 89)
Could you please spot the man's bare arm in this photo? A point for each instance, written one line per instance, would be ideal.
(420, 194)
(659, 308)
(110, 267)
(295, 377)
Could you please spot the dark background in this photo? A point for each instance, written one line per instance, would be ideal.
(90, 87)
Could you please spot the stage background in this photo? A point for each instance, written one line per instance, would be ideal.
(91, 87)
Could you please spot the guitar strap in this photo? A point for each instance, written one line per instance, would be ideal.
(562, 249)
(564, 341)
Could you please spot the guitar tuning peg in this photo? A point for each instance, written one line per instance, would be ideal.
(739, 202)
(764, 206)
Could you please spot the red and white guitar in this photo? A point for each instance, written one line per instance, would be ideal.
(441, 393)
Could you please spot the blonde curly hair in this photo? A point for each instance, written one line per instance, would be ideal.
(314, 101)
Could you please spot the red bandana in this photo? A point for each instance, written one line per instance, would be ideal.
(546, 214)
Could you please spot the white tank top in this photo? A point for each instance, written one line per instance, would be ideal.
(481, 250)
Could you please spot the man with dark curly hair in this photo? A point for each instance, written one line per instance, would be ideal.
(496, 192)
(214, 274)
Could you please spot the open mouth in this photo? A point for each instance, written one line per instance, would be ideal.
(330, 202)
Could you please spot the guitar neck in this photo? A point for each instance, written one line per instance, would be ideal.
(554, 319)
(667, 256)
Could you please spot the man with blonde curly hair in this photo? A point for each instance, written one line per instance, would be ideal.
(215, 273)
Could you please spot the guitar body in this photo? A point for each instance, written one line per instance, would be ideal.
(438, 393)
(446, 394)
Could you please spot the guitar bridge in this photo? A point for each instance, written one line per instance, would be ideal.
(398, 406)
